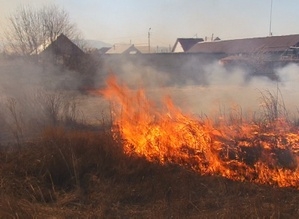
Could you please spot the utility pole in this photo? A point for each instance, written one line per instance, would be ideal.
(149, 40)
(270, 28)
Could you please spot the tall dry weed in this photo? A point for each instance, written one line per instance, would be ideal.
(273, 106)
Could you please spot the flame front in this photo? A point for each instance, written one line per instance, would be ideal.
(246, 152)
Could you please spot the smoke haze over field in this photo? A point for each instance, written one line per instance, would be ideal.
(18, 74)
(31, 95)
(208, 89)
(215, 81)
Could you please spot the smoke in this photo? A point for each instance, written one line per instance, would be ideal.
(206, 87)
(197, 86)
(289, 76)
(17, 75)
(236, 87)
(142, 76)
(288, 85)
(32, 95)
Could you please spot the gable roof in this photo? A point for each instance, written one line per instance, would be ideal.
(123, 49)
(103, 50)
(41, 47)
(63, 46)
(185, 43)
(145, 49)
(249, 45)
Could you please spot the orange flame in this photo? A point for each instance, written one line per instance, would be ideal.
(164, 134)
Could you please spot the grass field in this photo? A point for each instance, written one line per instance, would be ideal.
(83, 174)
(227, 168)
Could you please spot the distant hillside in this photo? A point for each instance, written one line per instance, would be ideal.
(96, 44)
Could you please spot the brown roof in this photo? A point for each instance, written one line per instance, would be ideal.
(63, 46)
(249, 45)
(186, 43)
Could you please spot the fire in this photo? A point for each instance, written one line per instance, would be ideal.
(246, 152)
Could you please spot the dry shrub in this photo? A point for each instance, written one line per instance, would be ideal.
(60, 161)
(16, 122)
(272, 107)
(12, 208)
(65, 168)
(24, 116)
(71, 154)
(3, 124)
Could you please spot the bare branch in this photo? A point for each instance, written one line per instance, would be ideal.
(30, 27)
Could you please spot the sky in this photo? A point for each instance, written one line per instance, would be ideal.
(130, 21)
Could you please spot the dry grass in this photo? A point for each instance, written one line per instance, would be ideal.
(84, 174)
(73, 171)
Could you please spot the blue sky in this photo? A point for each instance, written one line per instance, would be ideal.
(125, 21)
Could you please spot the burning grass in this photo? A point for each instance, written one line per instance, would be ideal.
(262, 152)
(154, 162)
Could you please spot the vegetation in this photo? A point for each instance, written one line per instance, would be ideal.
(74, 171)
(29, 28)
(85, 174)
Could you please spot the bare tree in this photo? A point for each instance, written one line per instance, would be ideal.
(29, 28)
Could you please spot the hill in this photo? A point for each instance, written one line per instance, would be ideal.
(96, 44)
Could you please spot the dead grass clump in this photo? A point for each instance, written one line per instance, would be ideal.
(60, 161)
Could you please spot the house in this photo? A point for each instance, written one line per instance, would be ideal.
(275, 46)
(124, 49)
(62, 51)
(103, 50)
(184, 44)
(146, 49)
(260, 56)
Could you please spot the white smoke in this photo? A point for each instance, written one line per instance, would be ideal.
(196, 88)
(208, 88)
(28, 92)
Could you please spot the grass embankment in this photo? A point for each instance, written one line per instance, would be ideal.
(82, 174)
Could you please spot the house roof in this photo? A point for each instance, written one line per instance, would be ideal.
(63, 45)
(145, 49)
(41, 47)
(249, 45)
(122, 49)
(103, 50)
(186, 43)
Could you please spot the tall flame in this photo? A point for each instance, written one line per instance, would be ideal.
(240, 152)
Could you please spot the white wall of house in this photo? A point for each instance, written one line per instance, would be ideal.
(178, 48)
